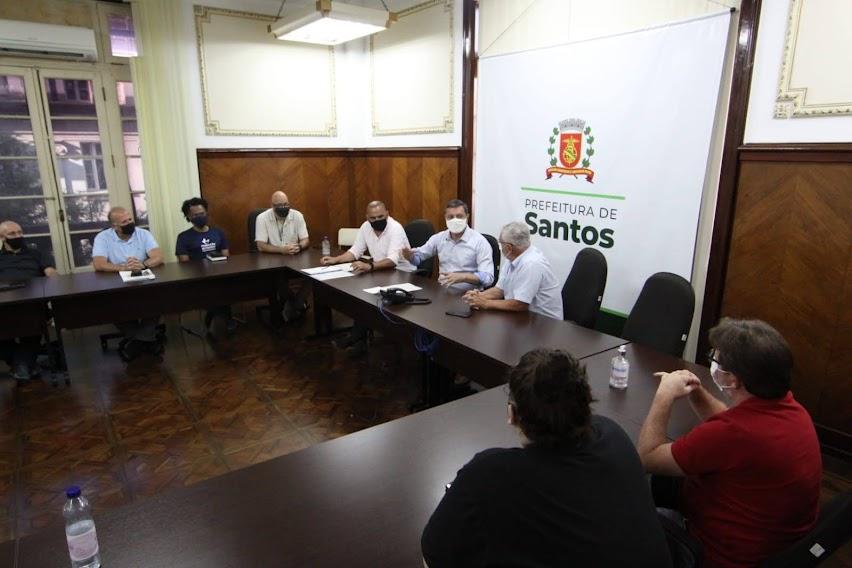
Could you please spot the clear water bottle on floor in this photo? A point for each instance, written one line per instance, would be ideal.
(80, 531)
(619, 370)
(326, 246)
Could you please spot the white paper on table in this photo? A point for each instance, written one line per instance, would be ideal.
(408, 287)
(332, 275)
(345, 267)
(126, 277)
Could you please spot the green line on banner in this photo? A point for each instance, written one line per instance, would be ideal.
(580, 193)
(614, 312)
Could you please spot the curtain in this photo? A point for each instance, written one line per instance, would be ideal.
(162, 106)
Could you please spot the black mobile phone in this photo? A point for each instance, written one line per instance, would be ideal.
(135, 273)
(460, 312)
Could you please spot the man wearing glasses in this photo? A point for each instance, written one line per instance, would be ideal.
(746, 479)
(526, 281)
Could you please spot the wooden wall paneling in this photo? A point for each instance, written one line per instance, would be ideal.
(788, 259)
(331, 187)
(835, 405)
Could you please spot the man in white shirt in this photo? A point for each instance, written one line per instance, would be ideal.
(464, 254)
(282, 230)
(380, 236)
(384, 239)
(526, 280)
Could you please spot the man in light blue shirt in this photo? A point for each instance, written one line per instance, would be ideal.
(464, 254)
(526, 280)
(126, 247)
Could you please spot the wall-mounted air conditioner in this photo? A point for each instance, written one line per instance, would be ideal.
(30, 39)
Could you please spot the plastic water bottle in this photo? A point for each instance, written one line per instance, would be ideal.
(80, 531)
(326, 246)
(619, 370)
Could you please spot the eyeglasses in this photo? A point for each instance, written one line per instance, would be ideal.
(711, 357)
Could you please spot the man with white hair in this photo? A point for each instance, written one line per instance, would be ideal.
(526, 281)
(18, 262)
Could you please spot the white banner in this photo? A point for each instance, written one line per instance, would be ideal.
(603, 143)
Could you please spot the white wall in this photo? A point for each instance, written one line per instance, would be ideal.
(761, 127)
(352, 73)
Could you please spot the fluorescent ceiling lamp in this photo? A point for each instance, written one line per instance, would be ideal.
(330, 23)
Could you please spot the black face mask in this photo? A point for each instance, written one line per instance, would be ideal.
(15, 243)
(379, 224)
(282, 211)
(128, 229)
(199, 221)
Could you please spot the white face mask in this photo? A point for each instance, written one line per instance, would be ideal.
(714, 372)
(456, 226)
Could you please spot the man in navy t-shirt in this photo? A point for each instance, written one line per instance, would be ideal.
(195, 244)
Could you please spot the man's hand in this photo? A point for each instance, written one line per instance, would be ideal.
(290, 249)
(328, 260)
(359, 267)
(451, 278)
(134, 263)
(677, 384)
(407, 253)
(475, 300)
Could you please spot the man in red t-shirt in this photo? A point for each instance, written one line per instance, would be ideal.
(752, 471)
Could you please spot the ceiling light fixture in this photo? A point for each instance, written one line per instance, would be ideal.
(331, 23)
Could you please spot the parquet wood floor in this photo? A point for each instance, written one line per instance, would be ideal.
(124, 434)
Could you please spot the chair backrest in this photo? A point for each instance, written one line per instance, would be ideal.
(346, 236)
(583, 290)
(832, 531)
(252, 225)
(686, 550)
(662, 314)
(418, 232)
(495, 255)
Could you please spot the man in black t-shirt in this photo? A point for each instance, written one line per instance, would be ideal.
(574, 495)
(195, 244)
(18, 262)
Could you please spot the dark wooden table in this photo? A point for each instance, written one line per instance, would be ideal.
(359, 500)
(23, 310)
(93, 298)
(481, 347)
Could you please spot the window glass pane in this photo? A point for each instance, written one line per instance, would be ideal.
(121, 37)
(81, 175)
(43, 244)
(140, 208)
(126, 99)
(81, 247)
(19, 177)
(76, 137)
(70, 97)
(13, 95)
(29, 213)
(87, 212)
(134, 174)
(16, 137)
(131, 138)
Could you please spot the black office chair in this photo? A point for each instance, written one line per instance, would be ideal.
(252, 225)
(832, 531)
(662, 314)
(495, 256)
(686, 550)
(418, 232)
(583, 290)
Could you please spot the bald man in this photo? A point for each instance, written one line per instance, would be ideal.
(19, 262)
(282, 230)
(124, 246)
